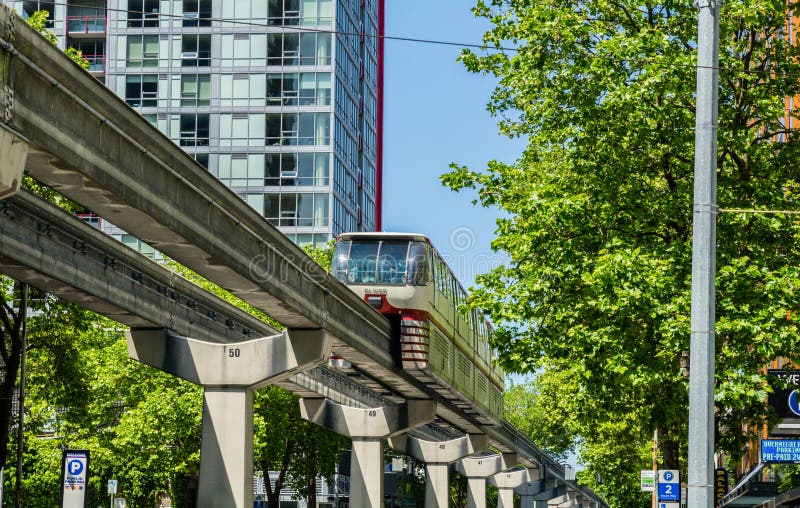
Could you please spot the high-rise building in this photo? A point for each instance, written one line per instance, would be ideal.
(280, 99)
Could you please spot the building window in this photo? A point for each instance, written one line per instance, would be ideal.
(93, 51)
(28, 8)
(242, 90)
(201, 158)
(142, 51)
(194, 130)
(143, 13)
(309, 48)
(290, 169)
(87, 16)
(195, 90)
(296, 209)
(197, 13)
(243, 50)
(196, 51)
(141, 91)
(242, 170)
(300, 12)
(298, 129)
(241, 129)
(249, 10)
(303, 89)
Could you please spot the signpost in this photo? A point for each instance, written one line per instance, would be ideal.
(74, 478)
(112, 489)
(669, 488)
(648, 480)
(780, 451)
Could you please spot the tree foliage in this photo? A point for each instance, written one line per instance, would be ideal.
(597, 216)
(142, 426)
(38, 20)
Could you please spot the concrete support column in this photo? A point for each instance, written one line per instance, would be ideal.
(367, 428)
(228, 373)
(551, 492)
(437, 455)
(437, 485)
(367, 459)
(477, 469)
(226, 410)
(531, 488)
(506, 482)
(527, 493)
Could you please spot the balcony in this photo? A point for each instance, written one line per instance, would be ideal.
(86, 25)
(97, 63)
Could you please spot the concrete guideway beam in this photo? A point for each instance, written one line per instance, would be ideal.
(367, 428)
(506, 482)
(15, 152)
(437, 455)
(51, 249)
(228, 373)
(477, 469)
(136, 177)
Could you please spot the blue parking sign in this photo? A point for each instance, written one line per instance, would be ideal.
(669, 486)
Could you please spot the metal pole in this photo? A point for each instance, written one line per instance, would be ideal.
(702, 355)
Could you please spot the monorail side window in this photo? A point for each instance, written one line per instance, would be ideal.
(417, 265)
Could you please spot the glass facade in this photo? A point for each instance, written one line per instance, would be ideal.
(277, 98)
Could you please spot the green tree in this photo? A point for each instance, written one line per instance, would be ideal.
(38, 20)
(597, 214)
(299, 451)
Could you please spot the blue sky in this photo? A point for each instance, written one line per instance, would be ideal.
(435, 114)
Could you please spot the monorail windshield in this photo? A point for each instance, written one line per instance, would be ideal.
(379, 262)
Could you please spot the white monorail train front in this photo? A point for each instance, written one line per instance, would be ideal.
(403, 277)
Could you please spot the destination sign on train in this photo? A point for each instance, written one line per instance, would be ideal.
(780, 451)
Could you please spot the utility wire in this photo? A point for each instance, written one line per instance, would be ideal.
(488, 47)
(257, 24)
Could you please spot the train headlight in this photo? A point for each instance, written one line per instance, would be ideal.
(376, 301)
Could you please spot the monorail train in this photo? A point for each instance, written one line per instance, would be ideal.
(404, 278)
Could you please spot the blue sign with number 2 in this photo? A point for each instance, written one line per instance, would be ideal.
(668, 492)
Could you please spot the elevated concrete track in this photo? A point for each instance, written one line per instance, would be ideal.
(90, 146)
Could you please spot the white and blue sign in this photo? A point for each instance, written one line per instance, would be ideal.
(780, 451)
(669, 486)
(74, 478)
(793, 404)
(76, 466)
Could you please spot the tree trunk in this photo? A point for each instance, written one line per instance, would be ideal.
(312, 491)
(11, 352)
(669, 451)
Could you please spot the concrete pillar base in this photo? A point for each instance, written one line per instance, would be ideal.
(437, 455)
(229, 373)
(436, 485)
(476, 492)
(477, 469)
(367, 460)
(506, 482)
(367, 428)
(227, 434)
